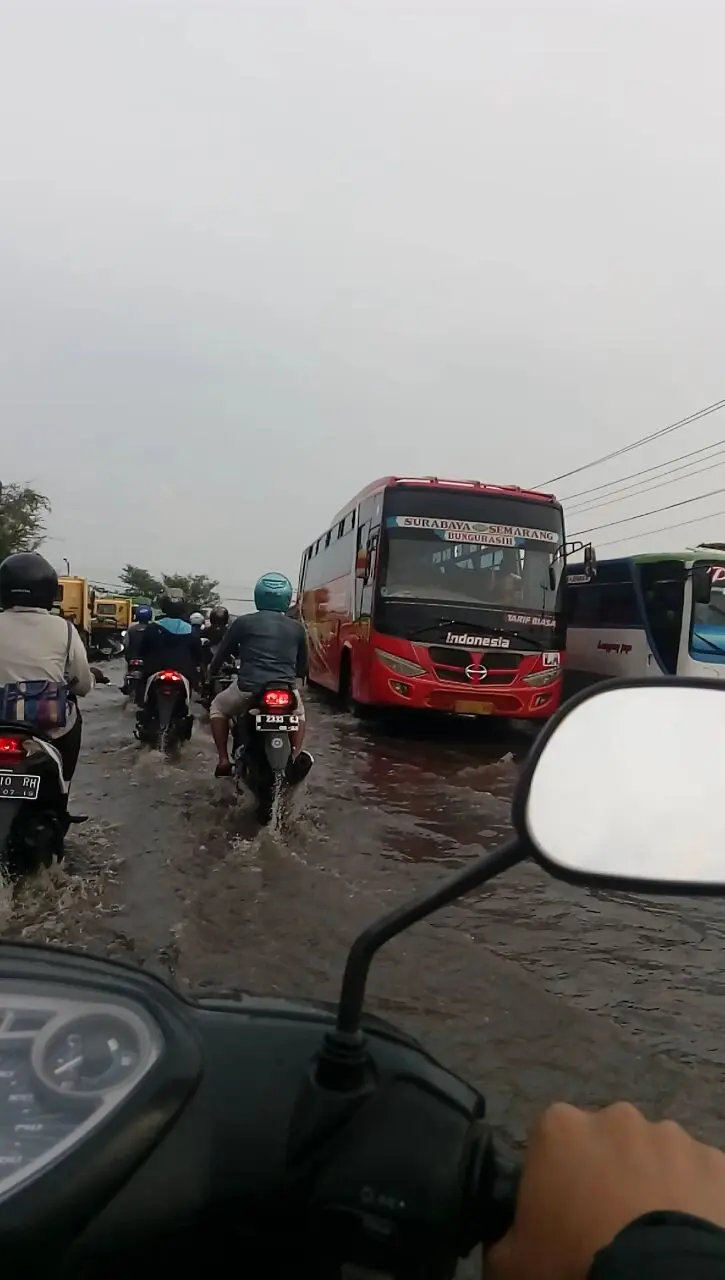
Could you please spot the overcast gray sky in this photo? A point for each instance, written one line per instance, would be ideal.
(254, 254)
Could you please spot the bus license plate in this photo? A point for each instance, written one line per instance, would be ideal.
(19, 786)
(270, 723)
(473, 708)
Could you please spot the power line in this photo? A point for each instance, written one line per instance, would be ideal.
(656, 511)
(714, 515)
(585, 508)
(597, 488)
(637, 444)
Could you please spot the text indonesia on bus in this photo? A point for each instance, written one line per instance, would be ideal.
(440, 594)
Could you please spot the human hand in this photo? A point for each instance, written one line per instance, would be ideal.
(588, 1175)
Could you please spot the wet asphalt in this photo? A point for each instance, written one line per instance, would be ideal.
(530, 989)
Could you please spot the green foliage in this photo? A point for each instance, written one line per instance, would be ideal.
(22, 522)
(199, 590)
(140, 583)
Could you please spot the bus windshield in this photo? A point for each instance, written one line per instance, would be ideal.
(708, 620)
(419, 565)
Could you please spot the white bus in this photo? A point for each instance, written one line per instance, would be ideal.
(646, 615)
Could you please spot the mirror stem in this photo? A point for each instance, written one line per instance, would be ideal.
(363, 949)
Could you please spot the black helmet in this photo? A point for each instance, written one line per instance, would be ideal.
(173, 606)
(219, 614)
(26, 579)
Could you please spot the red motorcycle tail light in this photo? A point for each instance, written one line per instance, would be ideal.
(278, 699)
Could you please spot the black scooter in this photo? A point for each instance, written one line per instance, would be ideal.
(34, 817)
(262, 746)
(165, 719)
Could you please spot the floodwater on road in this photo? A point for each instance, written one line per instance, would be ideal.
(531, 989)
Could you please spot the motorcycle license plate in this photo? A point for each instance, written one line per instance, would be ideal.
(19, 786)
(271, 723)
(473, 708)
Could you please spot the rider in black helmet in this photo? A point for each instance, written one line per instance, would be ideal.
(217, 625)
(38, 646)
(170, 642)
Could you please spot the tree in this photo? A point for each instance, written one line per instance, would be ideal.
(22, 524)
(140, 584)
(199, 591)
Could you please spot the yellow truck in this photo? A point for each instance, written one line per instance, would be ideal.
(114, 613)
(112, 616)
(75, 601)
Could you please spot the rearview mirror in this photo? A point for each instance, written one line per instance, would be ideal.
(590, 561)
(701, 584)
(623, 787)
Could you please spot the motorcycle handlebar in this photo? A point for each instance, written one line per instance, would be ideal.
(230, 1128)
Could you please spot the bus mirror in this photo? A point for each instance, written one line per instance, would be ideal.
(701, 585)
(552, 578)
(590, 561)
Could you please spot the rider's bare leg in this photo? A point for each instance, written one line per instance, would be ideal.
(220, 734)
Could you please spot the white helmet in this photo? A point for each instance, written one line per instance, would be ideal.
(197, 619)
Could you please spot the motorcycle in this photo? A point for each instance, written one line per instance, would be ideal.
(34, 817)
(316, 1136)
(134, 680)
(107, 649)
(225, 676)
(165, 718)
(262, 748)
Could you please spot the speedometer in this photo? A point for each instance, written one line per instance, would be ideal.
(95, 1053)
(69, 1058)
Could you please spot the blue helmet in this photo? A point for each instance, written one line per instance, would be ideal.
(144, 613)
(273, 591)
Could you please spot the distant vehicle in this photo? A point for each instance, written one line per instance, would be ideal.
(647, 615)
(76, 601)
(112, 615)
(440, 594)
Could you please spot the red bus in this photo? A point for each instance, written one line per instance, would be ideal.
(439, 594)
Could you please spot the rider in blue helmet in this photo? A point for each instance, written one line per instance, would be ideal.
(144, 614)
(270, 646)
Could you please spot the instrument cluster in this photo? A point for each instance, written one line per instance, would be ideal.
(66, 1063)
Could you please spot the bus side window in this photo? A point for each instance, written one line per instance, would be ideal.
(583, 605)
(599, 605)
(572, 598)
(361, 544)
(303, 575)
(368, 586)
(618, 605)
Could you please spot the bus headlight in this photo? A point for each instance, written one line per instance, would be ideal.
(540, 678)
(400, 666)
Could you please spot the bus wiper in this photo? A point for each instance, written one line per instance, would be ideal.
(518, 635)
(435, 622)
(706, 640)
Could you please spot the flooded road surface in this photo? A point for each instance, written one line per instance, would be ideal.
(531, 989)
